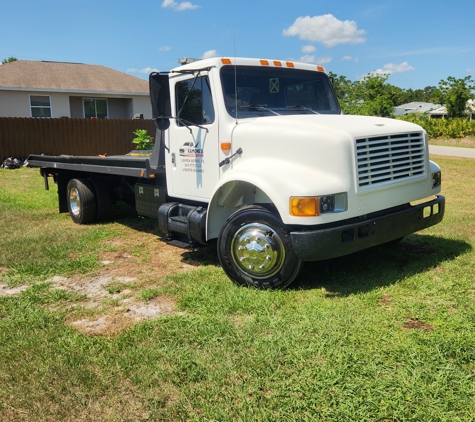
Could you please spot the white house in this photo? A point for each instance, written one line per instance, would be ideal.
(416, 107)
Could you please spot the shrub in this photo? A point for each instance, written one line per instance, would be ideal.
(143, 140)
(457, 127)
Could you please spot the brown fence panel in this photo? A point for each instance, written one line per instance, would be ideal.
(20, 137)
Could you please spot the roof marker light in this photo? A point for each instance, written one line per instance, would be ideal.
(321, 68)
(276, 63)
(226, 61)
(289, 64)
(264, 63)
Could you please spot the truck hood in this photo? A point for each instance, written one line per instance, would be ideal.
(339, 126)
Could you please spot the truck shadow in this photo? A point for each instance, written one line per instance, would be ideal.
(380, 266)
(363, 271)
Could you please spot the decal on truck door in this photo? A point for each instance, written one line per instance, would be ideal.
(192, 157)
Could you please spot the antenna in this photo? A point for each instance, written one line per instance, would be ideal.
(235, 84)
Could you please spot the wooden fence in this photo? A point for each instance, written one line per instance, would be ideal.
(20, 137)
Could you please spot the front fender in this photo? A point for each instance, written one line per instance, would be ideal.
(252, 182)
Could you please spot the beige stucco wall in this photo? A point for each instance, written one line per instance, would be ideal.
(14, 104)
(17, 104)
(143, 106)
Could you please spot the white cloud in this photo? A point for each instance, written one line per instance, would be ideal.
(209, 54)
(347, 58)
(472, 70)
(326, 29)
(308, 49)
(315, 60)
(185, 5)
(165, 48)
(393, 68)
(145, 70)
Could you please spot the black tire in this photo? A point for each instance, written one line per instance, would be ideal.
(103, 199)
(254, 249)
(81, 201)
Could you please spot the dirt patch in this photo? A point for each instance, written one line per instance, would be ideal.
(132, 312)
(11, 291)
(385, 300)
(109, 301)
(418, 325)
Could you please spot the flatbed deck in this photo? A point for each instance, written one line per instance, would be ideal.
(122, 165)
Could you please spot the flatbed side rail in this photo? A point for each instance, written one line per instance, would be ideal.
(120, 165)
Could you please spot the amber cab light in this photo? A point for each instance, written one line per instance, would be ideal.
(225, 146)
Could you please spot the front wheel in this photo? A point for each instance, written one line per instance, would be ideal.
(254, 249)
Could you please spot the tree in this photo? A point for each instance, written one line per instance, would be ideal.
(372, 96)
(454, 94)
(342, 86)
(9, 60)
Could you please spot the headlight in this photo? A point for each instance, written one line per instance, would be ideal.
(436, 179)
(311, 206)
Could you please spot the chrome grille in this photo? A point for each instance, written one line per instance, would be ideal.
(391, 158)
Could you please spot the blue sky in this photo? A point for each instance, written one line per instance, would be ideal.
(417, 42)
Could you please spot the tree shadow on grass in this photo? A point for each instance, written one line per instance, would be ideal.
(380, 266)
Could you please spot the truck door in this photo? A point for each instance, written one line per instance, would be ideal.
(193, 157)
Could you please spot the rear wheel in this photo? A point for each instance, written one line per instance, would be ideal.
(81, 201)
(254, 249)
(103, 199)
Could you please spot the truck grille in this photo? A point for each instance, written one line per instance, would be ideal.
(391, 158)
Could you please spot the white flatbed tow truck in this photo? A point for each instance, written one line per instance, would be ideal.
(256, 156)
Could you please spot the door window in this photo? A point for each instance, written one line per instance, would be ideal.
(194, 102)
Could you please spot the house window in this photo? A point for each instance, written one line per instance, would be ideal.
(95, 108)
(40, 105)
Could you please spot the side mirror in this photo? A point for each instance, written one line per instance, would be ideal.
(160, 98)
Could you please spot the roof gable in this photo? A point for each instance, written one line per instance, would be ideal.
(69, 77)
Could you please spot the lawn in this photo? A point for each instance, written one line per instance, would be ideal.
(108, 323)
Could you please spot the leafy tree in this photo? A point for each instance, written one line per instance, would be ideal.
(372, 96)
(429, 94)
(9, 60)
(454, 94)
(343, 87)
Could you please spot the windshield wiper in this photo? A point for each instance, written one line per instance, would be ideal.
(301, 107)
(260, 107)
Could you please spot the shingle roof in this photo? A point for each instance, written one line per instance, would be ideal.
(68, 77)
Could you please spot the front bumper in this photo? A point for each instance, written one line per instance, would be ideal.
(320, 244)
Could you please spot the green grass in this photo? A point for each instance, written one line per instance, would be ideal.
(382, 335)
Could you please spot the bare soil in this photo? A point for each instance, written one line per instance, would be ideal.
(109, 300)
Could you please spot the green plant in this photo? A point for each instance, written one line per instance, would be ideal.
(143, 140)
(454, 93)
(450, 128)
(9, 60)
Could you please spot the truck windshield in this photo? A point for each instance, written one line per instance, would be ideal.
(251, 91)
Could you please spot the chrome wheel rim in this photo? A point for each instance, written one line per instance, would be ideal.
(74, 202)
(258, 250)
